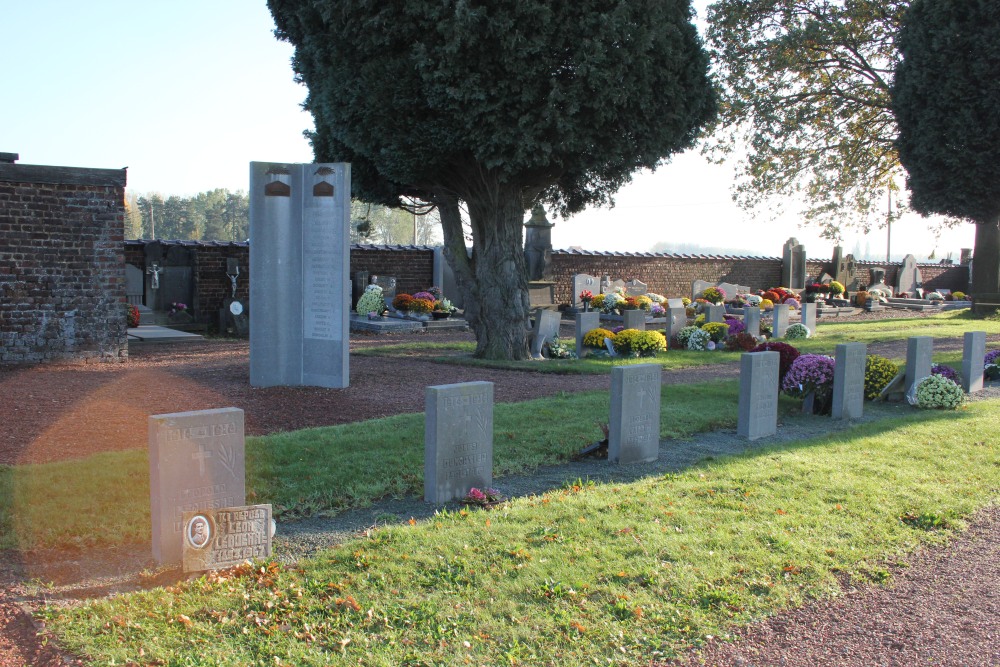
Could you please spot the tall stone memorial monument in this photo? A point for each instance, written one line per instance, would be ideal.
(299, 265)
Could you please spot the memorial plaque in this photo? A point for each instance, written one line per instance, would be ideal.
(973, 360)
(715, 314)
(635, 287)
(849, 381)
(634, 427)
(585, 322)
(758, 402)
(458, 440)
(751, 320)
(919, 350)
(219, 538)
(196, 462)
(780, 320)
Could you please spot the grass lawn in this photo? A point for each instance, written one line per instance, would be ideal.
(105, 498)
(591, 574)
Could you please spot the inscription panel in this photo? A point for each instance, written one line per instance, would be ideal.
(218, 538)
(849, 381)
(758, 402)
(634, 426)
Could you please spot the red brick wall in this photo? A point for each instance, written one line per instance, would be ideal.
(62, 276)
(413, 266)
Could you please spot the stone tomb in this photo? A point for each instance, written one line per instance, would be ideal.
(196, 462)
(458, 440)
(758, 403)
(849, 381)
(584, 281)
(973, 358)
(546, 328)
(780, 322)
(585, 322)
(908, 279)
(919, 350)
(634, 427)
(221, 538)
(751, 320)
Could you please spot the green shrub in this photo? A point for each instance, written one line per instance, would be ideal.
(879, 372)
(797, 331)
(684, 335)
(371, 301)
(938, 392)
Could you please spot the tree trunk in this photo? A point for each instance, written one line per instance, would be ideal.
(986, 260)
(493, 281)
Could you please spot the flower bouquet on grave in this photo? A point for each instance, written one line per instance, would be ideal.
(442, 309)
(179, 313)
(586, 296)
(810, 378)
(131, 315)
(487, 498)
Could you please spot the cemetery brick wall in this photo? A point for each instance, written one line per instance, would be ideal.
(62, 279)
(413, 266)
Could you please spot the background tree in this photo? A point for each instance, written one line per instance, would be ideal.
(211, 215)
(492, 107)
(805, 92)
(946, 97)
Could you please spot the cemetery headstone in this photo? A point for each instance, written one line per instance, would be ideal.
(584, 281)
(793, 265)
(134, 285)
(358, 285)
(699, 286)
(635, 287)
(732, 289)
(608, 286)
(585, 322)
(919, 350)
(973, 358)
(715, 314)
(676, 320)
(847, 273)
(546, 328)
(458, 440)
(675, 303)
(196, 462)
(219, 538)
(758, 403)
(388, 285)
(808, 315)
(299, 263)
(849, 381)
(908, 278)
(635, 319)
(780, 319)
(751, 320)
(634, 427)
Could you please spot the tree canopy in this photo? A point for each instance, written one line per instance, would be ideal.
(805, 91)
(946, 97)
(495, 107)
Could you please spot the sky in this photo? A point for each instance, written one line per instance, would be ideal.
(186, 94)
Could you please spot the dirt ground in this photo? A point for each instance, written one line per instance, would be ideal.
(64, 411)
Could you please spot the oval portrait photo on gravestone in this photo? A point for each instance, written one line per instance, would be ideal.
(199, 531)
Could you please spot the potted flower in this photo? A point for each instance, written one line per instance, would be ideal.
(714, 295)
(485, 498)
(810, 378)
(442, 309)
(586, 296)
(371, 303)
(421, 308)
(131, 315)
(179, 313)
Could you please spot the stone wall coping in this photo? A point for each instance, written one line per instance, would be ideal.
(38, 173)
(669, 255)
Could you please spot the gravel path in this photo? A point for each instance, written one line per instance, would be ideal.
(942, 610)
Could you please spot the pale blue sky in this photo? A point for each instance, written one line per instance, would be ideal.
(186, 94)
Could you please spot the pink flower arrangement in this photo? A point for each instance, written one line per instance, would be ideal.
(809, 373)
(427, 296)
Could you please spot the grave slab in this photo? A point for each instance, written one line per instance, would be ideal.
(196, 462)
(584, 281)
(758, 403)
(919, 350)
(546, 327)
(585, 322)
(780, 322)
(634, 427)
(849, 381)
(973, 358)
(808, 316)
(751, 320)
(676, 320)
(635, 319)
(458, 440)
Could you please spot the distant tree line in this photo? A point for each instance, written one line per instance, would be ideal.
(221, 215)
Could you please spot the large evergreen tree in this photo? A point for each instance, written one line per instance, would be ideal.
(946, 97)
(491, 107)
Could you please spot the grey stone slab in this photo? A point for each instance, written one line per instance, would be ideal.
(219, 538)
(299, 263)
(546, 327)
(585, 322)
(386, 325)
(849, 381)
(458, 440)
(388, 285)
(635, 287)
(715, 314)
(196, 462)
(808, 316)
(584, 281)
(676, 320)
(793, 265)
(757, 415)
(699, 286)
(134, 284)
(675, 303)
(732, 289)
(634, 427)
(907, 280)
(751, 320)
(635, 319)
(608, 285)
(780, 323)
(973, 359)
(919, 350)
